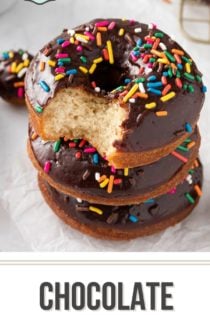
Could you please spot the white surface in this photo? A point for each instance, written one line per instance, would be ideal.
(26, 222)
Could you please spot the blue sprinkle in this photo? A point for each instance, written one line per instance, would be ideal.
(152, 78)
(71, 71)
(95, 158)
(139, 42)
(44, 86)
(204, 89)
(188, 128)
(5, 55)
(136, 53)
(127, 81)
(165, 73)
(179, 66)
(155, 91)
(149, 201)
(60, 64)
(155, 84)
(60, 41)
(133, 218)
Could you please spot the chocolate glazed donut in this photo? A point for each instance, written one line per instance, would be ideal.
(147, 90)
(127, 222)
(75, 168)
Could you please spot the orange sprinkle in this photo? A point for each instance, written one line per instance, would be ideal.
(164, 80)
(156, 44)
(162, 113)
(34, 136)
(166, 89)
(178, 52)
(198, 190)
(18, 84)
(76, 42)
(105, 54)
(178, 59)
(110, 185)
(173, 66)
(191, 145)
(41, 66)
(196, 164)
(102, 178)
(141, 95)
(102, 29)
(98, 39)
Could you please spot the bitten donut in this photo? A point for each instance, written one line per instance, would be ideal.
(126, 87)
(127, 222)
(13, 67)
(76, 168)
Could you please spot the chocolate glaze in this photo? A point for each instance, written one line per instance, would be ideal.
(79, 174)
(122, 217)
(143, 130)
(8, 77)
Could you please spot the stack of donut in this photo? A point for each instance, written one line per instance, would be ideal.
(113, 111)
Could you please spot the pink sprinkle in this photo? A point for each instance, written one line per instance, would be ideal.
(61, 56)
(172, 191)
(113, 169)
(60, 70)
(150, 65)
(91, 36)
(79, 48)
(66, 44)
(47, 166)
(102, 23)
(20, 92)
(89, 150)
(111, 25)
(132, 22)
(134, 58)
(150, 41)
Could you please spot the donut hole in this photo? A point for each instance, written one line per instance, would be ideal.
(75, 113)
(108, 77)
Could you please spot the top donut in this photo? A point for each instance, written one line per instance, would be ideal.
(126, 87)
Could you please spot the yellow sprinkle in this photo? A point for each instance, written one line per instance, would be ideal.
(157, 53)
(163, 60)
(34, 136)
(41, 65)
(168, 96)
(104, 183)
(92, 68)
(72, 41)
(51, 63)
(126, 170)
(98, 39)
(20, 67)
(82, 38)
(96, 210)
(121, 32)
(110, 52)
(83, 69)
(11, 54)
(59, 77)
(98, 60)
(188, 68)
(198, 190)
(13, 67)
(162, 113)
(26, 63)
(150, 105)
(131, 92)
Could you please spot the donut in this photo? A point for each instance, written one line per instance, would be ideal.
(13, 67)
(126, 87)
(76, 168)
(131, 221)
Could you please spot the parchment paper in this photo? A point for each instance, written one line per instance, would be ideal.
(26, 222)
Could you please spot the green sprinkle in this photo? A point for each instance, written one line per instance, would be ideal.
(178, 74)
(152, 60)
(198, 78)
(182, 148)
(187, 60)
(190, 198)
(21, 52)
(76, 140)
(119, 88)
(191, 172)
(56, 146)
(189, 76)
(188, 140)
(170, 72)
(191, 88)
(170, 57)
(64, 60)
(83, 59)
(140, 80)
(38, 108)
(185, 87)
(136, 48)
(159, 35)
(147, 46)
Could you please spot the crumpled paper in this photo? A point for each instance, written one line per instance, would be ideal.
(26, 222)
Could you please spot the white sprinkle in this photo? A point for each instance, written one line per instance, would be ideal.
(81, 39)
(97, 176)
(141, 87)
(162, 46)
(132, 100)
(138, 30)
(97, 89)
(87, 29)
(45, 142)
(79, 200)
(71, 32)
(24, 56)
(21, 73)
(189, 179)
